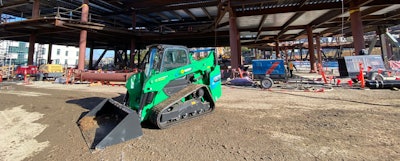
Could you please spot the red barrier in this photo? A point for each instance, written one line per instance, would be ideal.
(240, 73)
(322, 73)
(25, 77)
(361, 75)
(350, 82)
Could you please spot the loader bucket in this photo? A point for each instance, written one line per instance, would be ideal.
(109, 123)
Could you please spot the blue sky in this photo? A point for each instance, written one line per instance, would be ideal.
(98, 52)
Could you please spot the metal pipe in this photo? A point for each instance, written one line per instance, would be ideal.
(112, 77)
(385, 84)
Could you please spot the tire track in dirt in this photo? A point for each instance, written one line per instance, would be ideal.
(19, 132)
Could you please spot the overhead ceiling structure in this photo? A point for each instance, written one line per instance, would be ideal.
(191, 22)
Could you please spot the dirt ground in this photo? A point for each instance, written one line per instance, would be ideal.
(248, 124)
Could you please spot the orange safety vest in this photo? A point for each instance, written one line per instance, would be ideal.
(291, 66)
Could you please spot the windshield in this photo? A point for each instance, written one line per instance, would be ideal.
(157, 61)
(174, 58)
(152, 61)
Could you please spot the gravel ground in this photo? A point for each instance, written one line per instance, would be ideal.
(248, 124)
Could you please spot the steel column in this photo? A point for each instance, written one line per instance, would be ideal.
(277, 52)
(318, 46)
(35, 9)
(132, 54)
(31, 50)
(382, 38)
(49, 53)
(115, 57)
(133, 20)
(91, 67)
(357, 29)
(234, 42)
(83, 36)
(286, 56)
(32, 37)
(311, 49)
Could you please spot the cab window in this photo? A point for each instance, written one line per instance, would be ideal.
(174, 58)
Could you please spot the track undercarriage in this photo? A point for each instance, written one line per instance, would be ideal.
(190, 102)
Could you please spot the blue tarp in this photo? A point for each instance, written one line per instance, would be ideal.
(260, 67)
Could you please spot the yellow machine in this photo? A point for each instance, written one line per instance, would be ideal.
(51, 71)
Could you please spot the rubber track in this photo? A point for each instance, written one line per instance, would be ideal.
(172, 100)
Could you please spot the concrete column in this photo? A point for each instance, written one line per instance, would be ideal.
(31, 50)
(234, 42)
(83, 36)
(311, 49)
(318, 45)
(132, 55)
(49, 53)
(36, 9)
(277, 52)
(357, 28)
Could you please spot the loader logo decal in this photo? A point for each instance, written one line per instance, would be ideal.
(161, 79)
(215, 80)
(186, 70)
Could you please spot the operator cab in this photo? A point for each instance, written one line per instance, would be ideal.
(163, 58)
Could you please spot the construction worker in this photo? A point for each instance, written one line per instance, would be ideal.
(291, 66)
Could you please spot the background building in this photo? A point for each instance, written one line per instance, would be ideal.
(17, 52)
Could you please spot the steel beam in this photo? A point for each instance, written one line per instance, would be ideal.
(101, 57)
(14, 4)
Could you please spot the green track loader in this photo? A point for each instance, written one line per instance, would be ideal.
(173, 85)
